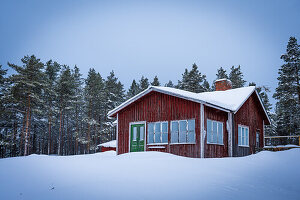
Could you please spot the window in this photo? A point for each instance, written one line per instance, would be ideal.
(157, 132)
(243, 135)
(183, 131)
(134, 133)
(214, 132)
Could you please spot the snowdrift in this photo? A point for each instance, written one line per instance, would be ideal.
(151, 175)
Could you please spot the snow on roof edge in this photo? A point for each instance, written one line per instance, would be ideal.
(207, 98)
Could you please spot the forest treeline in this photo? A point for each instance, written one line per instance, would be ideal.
(49, 108)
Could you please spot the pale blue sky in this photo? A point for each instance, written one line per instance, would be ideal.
(149, 38)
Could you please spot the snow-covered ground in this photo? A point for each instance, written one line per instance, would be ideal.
(151, 175)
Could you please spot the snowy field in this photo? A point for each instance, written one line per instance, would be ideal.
(151, 175)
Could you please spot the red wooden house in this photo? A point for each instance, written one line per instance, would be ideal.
(226, 122)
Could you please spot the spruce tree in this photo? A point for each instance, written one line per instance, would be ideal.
(263, 93)
(288, 91)
(236, 77)
(169, 84)
(193, 81)
(133, 90)
(144, 83)
(114, 90)
(221, 73)
(155, 82)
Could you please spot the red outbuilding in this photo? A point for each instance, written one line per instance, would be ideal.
(107, 146)
(224, 123)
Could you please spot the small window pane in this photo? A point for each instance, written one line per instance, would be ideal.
(134, 133)
(243, 136)
(165, 127)
(165, 137)
(142, 132)
(246, 136)
(174, 132)
(191, 125)
(240, 136)
(150, 133)
(191, 136)
(220, 133)
(157, 128)
(182, 125)
(209, 131)
(157, 134)
(175, 126)
(214, 132)
(182, 132)
(157, 137)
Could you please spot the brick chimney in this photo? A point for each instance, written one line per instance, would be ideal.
(222, 84)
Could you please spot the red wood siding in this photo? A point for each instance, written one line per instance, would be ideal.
(155, 107)
(103, 149)
(251, 115)
(215, 150)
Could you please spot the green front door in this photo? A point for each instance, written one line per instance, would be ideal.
(137, 137)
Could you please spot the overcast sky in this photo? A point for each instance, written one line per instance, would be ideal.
(149, 38)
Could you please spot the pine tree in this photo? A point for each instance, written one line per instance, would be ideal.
(206, 86)
(51, 73)
(2, 90)
(3, 111)
(94, 96)
(155, 82)
(288, 91)
(78, 107)
(144, 83)
(236, 77)
(65, 95)
(193, 81)
(221, 73)
(169, 84)
(133, 90)
(29, 81)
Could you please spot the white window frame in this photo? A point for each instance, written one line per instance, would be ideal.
(187, 131)
(243, 127)
(154, 123)
(217, 131)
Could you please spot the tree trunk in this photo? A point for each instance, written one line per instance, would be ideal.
(89, 129)
(60, 130)
(22, 136)
(49, 135)
(68, 138)
(62, 134)
(27, 128)
(14, 149)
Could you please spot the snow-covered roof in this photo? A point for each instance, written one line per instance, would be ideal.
(108, 144)
(228, 100)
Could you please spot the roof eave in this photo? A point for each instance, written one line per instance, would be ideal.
(113, 112)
